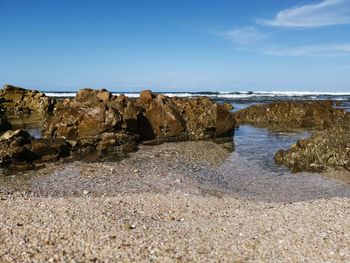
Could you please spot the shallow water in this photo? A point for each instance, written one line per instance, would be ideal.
(29, 122)
(242, 167)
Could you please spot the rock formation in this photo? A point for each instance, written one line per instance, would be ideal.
(187, 118)
(95, 120)
(327, 148)
(19, 100)
(19, 149)
(293, 114)
(118, 122)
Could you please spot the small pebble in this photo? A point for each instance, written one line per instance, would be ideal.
(85, 192)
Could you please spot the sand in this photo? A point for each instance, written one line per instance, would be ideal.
(172, 227)
(177, 202)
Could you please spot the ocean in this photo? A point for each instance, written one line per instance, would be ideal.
(241, 99)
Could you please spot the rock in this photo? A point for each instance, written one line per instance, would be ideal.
(18, 148)
(205, 119)
(146, 96)
(184, 118)
(327, 148)
(293, 114)
(165, 119)
(19, 100)
(13, 135)
(96, 120)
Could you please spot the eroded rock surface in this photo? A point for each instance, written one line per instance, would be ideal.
(19, 150)
(188, 118)
(328, 148)
(95, 120)
(19, 100)
(293, 114)
(106, 120)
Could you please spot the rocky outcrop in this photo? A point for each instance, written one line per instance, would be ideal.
(293, 114)
(328, 148)
(19, 149)
(186, 118)
(96, 119)
(19, 100)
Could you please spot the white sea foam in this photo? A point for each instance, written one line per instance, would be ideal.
(60, 94)
(224, 94)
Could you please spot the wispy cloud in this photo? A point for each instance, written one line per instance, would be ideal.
(319, 50)
(325, 13)
(244, 36)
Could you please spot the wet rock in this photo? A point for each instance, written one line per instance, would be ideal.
(21, 135)
(327, 148)
(186, 118)
(205, 119)
(293, 114)
(164, 118)
(19, 100)
(95, 121)
(18, 148)
(105, 144)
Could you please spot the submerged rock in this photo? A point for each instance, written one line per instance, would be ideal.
(293, 114)
(18, 148)
(328, 148)
(19, 100)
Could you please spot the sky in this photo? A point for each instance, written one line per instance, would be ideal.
(176, 45)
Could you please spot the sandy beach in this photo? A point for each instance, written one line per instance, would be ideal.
(167, 203)
(173, 227)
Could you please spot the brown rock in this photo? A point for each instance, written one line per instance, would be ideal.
(164, 119)
(293, 114)
(327, 148)
(107, 122)
(146, 96)
(17, 148)
(104, 95)
(205, 119)
(20, 100)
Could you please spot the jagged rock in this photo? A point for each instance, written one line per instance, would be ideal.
(11, 135)
(146, 96)
(164, 118)
(18, 148)
(19, 100)
(105, 143)
(185, 118)
(293, 114)
(95, 119)
(205, 119)
(327, 148)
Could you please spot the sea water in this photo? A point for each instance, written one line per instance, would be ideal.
(249, 169)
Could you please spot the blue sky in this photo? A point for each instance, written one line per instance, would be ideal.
(176, 45)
